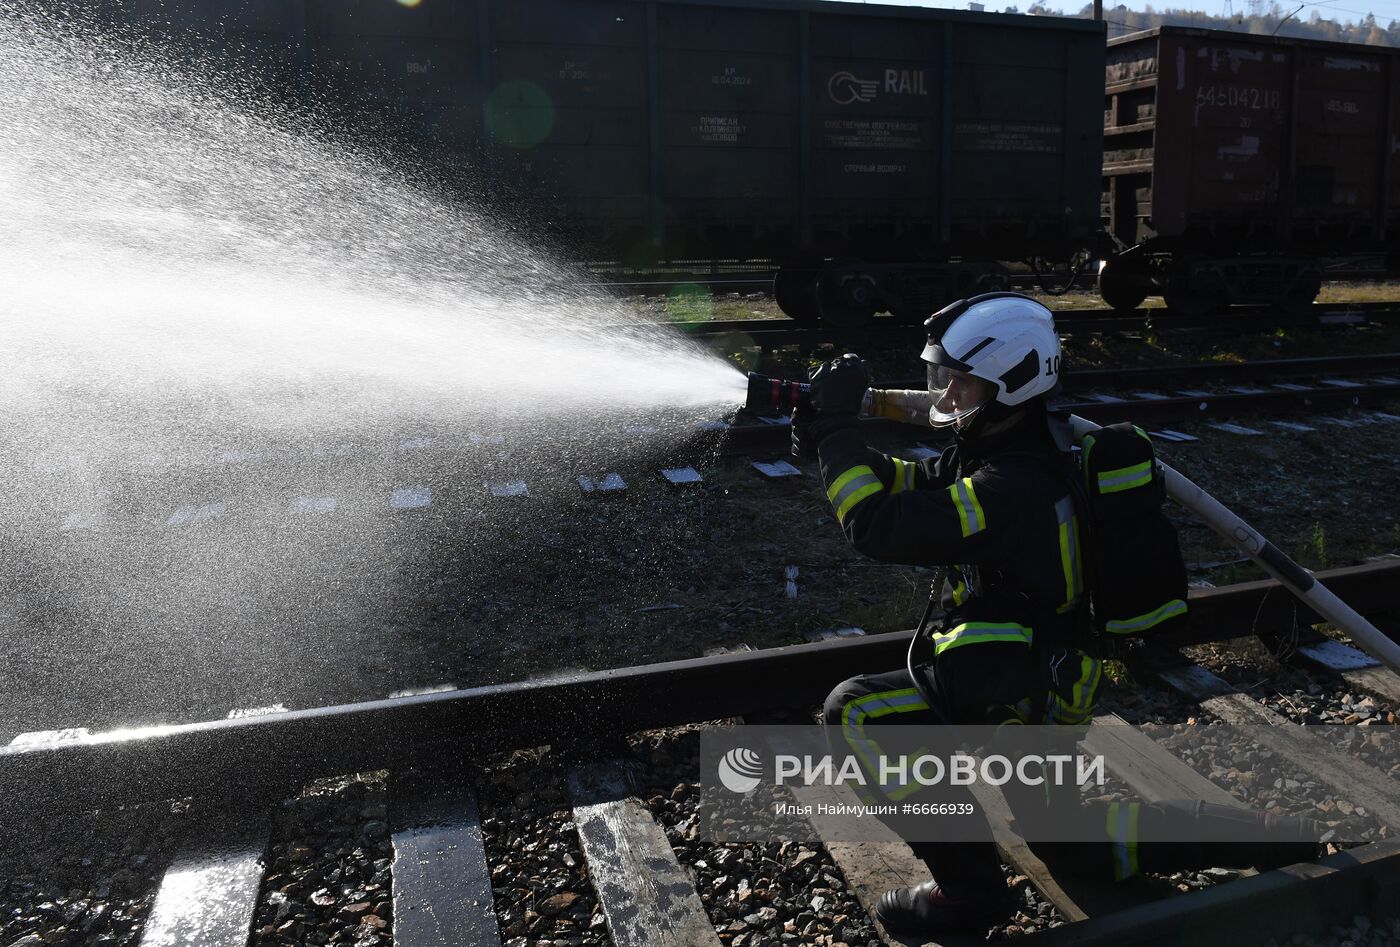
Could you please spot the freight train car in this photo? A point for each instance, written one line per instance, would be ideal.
(882, 157)
(1232, 163)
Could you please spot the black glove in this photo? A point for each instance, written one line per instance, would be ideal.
(839, 387)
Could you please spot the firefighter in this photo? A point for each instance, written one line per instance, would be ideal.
(997, 510)
(1001, 512)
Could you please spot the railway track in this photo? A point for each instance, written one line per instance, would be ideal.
(231, 774)
(1134, 400)
(776, 333)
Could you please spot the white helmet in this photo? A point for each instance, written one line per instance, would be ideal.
(1005, 339)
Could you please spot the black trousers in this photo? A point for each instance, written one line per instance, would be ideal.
(1117, 841)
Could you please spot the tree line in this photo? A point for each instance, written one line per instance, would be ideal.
(1275, 20)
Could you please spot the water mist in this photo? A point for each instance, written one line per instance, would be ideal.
(254, 382)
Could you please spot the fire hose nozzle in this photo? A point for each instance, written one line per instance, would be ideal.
(775, 394)
(767, 394)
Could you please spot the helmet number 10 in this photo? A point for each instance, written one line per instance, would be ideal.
(1052, 365)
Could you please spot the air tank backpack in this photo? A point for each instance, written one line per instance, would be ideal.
(1136, 577)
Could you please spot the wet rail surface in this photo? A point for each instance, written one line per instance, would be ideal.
(231, 771)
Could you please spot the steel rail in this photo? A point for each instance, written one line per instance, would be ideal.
(272, 755)
(745, 438)
(784, 331)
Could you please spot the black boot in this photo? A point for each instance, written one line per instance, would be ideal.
(928, 909)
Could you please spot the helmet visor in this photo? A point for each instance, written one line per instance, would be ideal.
(957, 396)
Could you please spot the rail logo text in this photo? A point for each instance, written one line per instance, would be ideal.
(845, 89)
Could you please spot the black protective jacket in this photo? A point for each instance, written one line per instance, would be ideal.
(998, 511)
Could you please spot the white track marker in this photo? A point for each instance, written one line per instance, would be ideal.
(86, 520)
(776, 469)
(313, 505)
(1246, 390)
(1293, 426)
(1240, 429)
(682, 476)
(410, 498)
(1339, 422)
(508, 488)
(1150, 395)
(486, 440)
(1193, 393)
(1341, 383)
(1290, 386)
(190, 513)
(415, 444)
(612, 483)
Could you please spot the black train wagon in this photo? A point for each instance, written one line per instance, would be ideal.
(884, 158)
(1233, 163)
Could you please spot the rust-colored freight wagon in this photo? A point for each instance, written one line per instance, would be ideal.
(1233, 162)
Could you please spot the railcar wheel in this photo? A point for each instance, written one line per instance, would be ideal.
(1193, 302)
(795, 292)
(846, 300)
(1121, 287)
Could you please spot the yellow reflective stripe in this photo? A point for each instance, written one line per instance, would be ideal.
(903, 475)
(980, 632)
(851, 487)
(1091, 670)
(1122, 831)
(970, 513)
(960, 592)
(1082, 694)
(854, 498)
(1071, 561)
(854, 715)
(841, 482)
(1143, 622)
(1125, 478)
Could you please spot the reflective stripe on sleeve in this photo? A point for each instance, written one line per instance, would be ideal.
(1143, 622)
(1071, 562)
(980, 632)
(903, 475)
(970, 513)
(850, 488)
(1125, 478)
